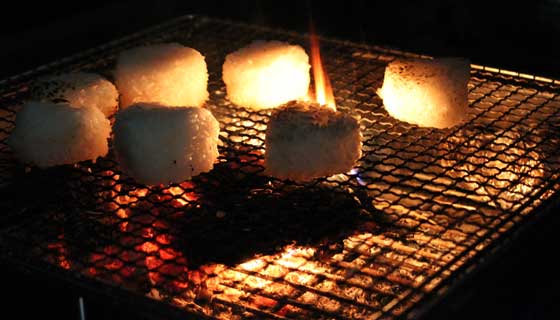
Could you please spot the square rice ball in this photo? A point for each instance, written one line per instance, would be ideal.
(49, 134)
(166, 73)
(158, 144)
(429, 93)
(266, 74)
(306, 141)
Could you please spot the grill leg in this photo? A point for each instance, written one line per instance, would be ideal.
(82, 309)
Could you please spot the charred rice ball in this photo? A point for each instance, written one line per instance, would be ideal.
(78, 89)
(158, 144)
(266, 74)
(168, 74)
(430, 93)
(306, 141)
(48, 134)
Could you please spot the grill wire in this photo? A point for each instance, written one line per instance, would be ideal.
(378, 242)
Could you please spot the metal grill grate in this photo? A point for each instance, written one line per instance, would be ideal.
(419, 208)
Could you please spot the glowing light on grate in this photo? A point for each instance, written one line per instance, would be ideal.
(472, 171)
(503, 170)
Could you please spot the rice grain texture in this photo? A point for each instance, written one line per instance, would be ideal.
(168, 74)
(157, 144)
(48, 134)
(429, 93)
(266, 74)
(306, 141)
(78, 89)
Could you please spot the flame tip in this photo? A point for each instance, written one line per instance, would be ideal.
(323, 90)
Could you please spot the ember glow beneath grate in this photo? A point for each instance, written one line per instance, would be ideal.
(420, 206)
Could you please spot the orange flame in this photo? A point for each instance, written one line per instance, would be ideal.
(323, 90)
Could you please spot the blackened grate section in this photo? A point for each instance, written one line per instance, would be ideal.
(419, 208)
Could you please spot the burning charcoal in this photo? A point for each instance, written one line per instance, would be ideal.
(430, 93)
(78, 89)
(265, 75)
(266, 224)
(48, 134)
(169, 74)
(157, 144)
(305, 141)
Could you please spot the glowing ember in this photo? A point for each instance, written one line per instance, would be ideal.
(65, 264)
(140, 192)
(153, 262)
(183, 194)
(123, 213)
(148, 247)
(253, 264)
(147, 233)
(124, 200)
(168, 254)
(114, 264)
(163, 239)
(323, 90)
(176, 190)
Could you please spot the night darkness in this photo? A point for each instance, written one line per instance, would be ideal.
(518, 37)
(496, 33)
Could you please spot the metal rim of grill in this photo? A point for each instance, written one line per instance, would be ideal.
(421, 207)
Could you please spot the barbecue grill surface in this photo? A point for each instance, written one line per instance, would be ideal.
(421, 208)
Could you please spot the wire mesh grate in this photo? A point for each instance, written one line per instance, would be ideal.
(376, 242)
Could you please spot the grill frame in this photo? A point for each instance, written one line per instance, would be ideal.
(432, 297)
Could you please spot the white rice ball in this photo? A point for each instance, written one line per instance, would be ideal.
(168, 74)
(430, 93)
(78, 89)
(158, 144)
(305, 141)
(48, 134)
(266, 74)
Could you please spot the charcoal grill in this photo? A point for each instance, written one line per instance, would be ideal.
(420, 211)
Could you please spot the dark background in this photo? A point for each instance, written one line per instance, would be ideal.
(513, 35)
(522, 284)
